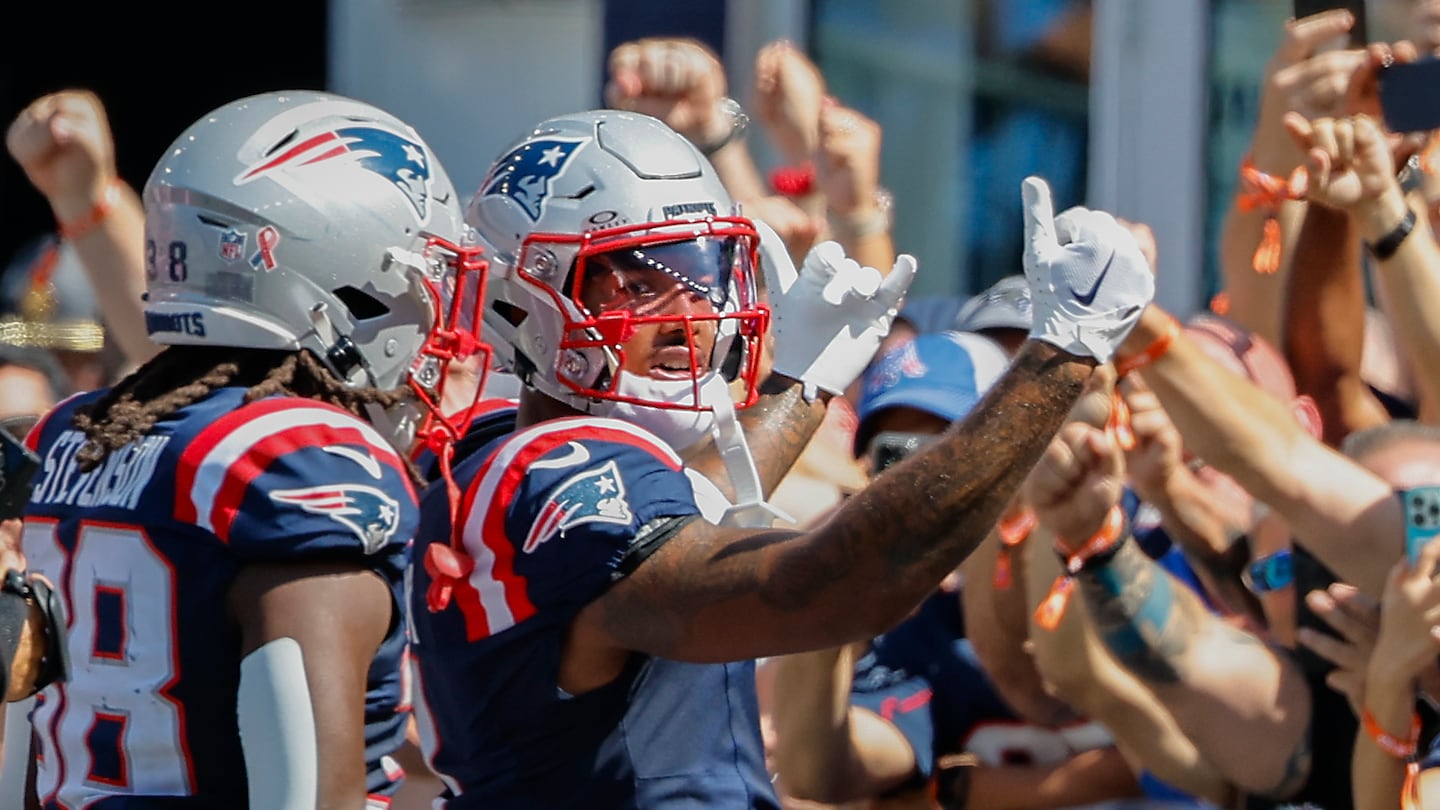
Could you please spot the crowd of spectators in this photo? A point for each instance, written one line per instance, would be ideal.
(1205, 594)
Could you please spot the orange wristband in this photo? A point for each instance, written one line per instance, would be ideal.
(1263, 191)
(1151, 353)
(1052, 609)
(1397, 748)
(84, 224)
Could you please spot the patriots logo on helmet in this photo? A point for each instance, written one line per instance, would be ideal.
(398, 159)
(370, 513)
(593, 496)
(525, 173)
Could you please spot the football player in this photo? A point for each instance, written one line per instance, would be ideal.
(586, 624)
(229, 525)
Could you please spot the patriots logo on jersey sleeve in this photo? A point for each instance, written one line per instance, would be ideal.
(593, 496)
(400, 160)
(526, 173)
(371, 514)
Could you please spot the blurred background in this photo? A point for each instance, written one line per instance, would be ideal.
(1123, 104)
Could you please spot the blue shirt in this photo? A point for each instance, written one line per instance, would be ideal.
(549, 515)
(144, 550)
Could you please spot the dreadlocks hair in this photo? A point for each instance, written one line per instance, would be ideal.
(182, 375)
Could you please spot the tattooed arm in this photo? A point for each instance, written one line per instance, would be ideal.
(718, 594)
(781, 423)
(1221, 684)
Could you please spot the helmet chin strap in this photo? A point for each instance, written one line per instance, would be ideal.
(683, 428)
(750, 509)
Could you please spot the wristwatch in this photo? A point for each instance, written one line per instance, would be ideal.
(1269, 573)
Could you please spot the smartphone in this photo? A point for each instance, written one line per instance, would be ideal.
(1409, 101)
(17, 467)
(1359, 36)
(890, 447)
(1422, 518)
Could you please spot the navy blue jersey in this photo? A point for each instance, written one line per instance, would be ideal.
(145, 548)
(925, 679)
(549, 514)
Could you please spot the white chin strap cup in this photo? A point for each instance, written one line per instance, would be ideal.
(750, 509)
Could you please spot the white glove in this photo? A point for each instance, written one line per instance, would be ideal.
(1088, 278)
(829, 318)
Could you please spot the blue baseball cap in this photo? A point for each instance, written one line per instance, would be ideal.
(942, 373)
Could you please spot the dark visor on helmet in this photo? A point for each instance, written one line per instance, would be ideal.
(702, 266)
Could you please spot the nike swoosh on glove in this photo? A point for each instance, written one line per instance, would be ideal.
(828, 318)
(1088, 279)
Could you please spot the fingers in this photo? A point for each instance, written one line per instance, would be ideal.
(1367, 133)
(1307, 34)
(824, 265)
(1081, 224)
(767, 66)
(1105, 459)
(822, 259)
(845, 279)
(1345, 141)
(659, 66)
(1056, 474)
(57, 120)
(1326, 139)
(1405, 51)
(1351, 624)
(1039, 215)
(1360, 606)
(1429, 555)
(1336, 651)
(895, 285)
(1299, 128)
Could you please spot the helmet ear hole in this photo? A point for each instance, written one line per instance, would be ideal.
(508, 312)
(362, 305)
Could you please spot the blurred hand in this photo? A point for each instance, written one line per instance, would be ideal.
(63, 142)
(847, 166)
(1349, 166)
(1424, 25)
(1300, 78)
(797, 229)
(789, 92)
(1158, 452)
(678, 80)
(1356, 617)
(1409, 638)
(1077, 480)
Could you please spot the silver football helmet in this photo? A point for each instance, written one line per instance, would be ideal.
(306, 220)
(586, 193)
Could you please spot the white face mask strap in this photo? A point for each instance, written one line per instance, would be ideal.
(751, 510)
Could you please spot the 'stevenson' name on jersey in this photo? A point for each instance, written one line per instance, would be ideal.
(118, 482)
